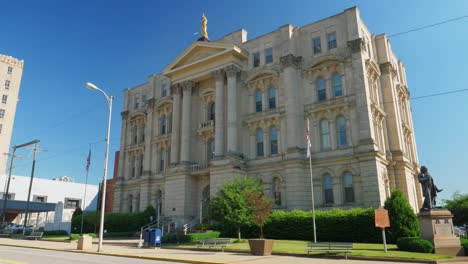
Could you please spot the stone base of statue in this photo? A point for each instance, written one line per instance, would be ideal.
(436, 226)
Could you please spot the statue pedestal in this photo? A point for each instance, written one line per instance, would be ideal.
(437, 226)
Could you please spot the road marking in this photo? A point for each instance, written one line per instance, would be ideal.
(2, 261)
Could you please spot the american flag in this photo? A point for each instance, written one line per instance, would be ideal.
(88, 161)
(309, 145)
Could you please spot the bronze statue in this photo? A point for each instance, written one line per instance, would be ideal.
(204, 23)
(429, 189)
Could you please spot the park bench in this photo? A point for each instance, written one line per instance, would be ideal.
(328, 247)
(34, 235)
(214, 242)
(2, 234)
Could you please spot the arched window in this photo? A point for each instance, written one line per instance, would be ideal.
(328, 189)
(273, 140)
(163, 125)
(321, 92)
(258, 101)
(211, 149)
(272, 98)
(259, 143)
(336, 83)
(277, 191)
(325, 134)
(341, 131)
(212, 112)
(348, 187)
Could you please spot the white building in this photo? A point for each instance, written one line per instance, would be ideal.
(66, 195)
(240, 107)
(11, 70)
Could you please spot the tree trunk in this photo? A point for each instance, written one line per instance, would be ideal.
(261, 231)
(238, 233)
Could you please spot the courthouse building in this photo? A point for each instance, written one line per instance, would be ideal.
(11, 70)
(240, 107)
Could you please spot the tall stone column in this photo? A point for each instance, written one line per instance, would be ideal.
(123, 145)
(148, 135)
(333, 134)
(266, 142)
(232, 142)
(219, 115)
(253, 144)
(290, 64)
(175, 136)
(186, 118)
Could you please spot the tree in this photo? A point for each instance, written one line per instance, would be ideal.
(230, 203)
(403, 220)
(76, 220)
(459, 208)
(260, 207)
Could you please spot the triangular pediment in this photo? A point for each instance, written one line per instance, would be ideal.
(200, 52)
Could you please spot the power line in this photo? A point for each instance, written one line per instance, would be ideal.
(438, 94)
(428, 26)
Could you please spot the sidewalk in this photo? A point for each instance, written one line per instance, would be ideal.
(128, 248)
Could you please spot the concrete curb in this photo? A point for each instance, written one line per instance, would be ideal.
(117, 255)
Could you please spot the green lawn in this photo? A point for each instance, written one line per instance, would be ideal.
(56, 238)
(359, 250)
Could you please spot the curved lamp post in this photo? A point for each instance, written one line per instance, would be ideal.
(104, 178)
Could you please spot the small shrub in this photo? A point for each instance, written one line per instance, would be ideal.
(176, 238)
(55, 233)
(415, 244)
(200, 236)
(464, 243)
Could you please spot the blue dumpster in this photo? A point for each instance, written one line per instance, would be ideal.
(152, 237)
(146, 237)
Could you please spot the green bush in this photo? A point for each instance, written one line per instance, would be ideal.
(414, 244)
(200, 236)
(403, 220)
(464, 243)
(55, 233)
(76, 236)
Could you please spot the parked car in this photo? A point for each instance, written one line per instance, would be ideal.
(16, 229)
(459, 231)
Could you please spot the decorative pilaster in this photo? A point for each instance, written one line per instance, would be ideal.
(186, 118)
(123, 144)
(175, 136)
(232, 109)
(294, 109)
(219, 115)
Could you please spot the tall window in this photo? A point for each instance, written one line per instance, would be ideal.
(336, 83)
(211, 149)
(164, 89)
(135, 135)
(316, 45)
(144, 100)
(325, 134)
(162, 157)
(130, 203)
(258, 101)
(7, 84)
(260, 143)
(141, 166)
(331, 40)
(341, 131)
(256, 59)
(268, 55)
(136, 102)
(10, 70)
(328, 189)
(163, 124)
(277, 191)
(212, 112)
(273, 140)
(4, 99)
(2, 113)
(321, 92)
(348, 187)
(272, 98)
(134, 168)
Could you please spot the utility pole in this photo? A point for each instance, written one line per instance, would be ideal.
(9, 174)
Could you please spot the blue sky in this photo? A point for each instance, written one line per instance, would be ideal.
(117, 44)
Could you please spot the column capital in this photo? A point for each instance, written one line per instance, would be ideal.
(387, 68)
(151, 103)
(187, 86)
(176, 89)
(232, 70)
(357, 45)
(290, 61)
(218, 74)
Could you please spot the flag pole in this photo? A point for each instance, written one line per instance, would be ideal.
(311, 180)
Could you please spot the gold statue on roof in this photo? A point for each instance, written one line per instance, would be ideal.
(204, 22)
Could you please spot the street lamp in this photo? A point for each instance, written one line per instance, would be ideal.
(104, 178)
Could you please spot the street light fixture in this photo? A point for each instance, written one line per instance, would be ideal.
(104, 178)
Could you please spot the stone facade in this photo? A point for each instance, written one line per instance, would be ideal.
(240, 107)
(11, 70)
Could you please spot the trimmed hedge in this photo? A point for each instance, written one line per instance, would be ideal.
(55, 233)
(415, 244)
(356, 225)
(180, 238)
(76, 236)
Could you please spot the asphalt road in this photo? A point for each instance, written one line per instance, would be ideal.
(15, 255)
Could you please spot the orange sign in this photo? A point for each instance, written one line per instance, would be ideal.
(381, 218)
